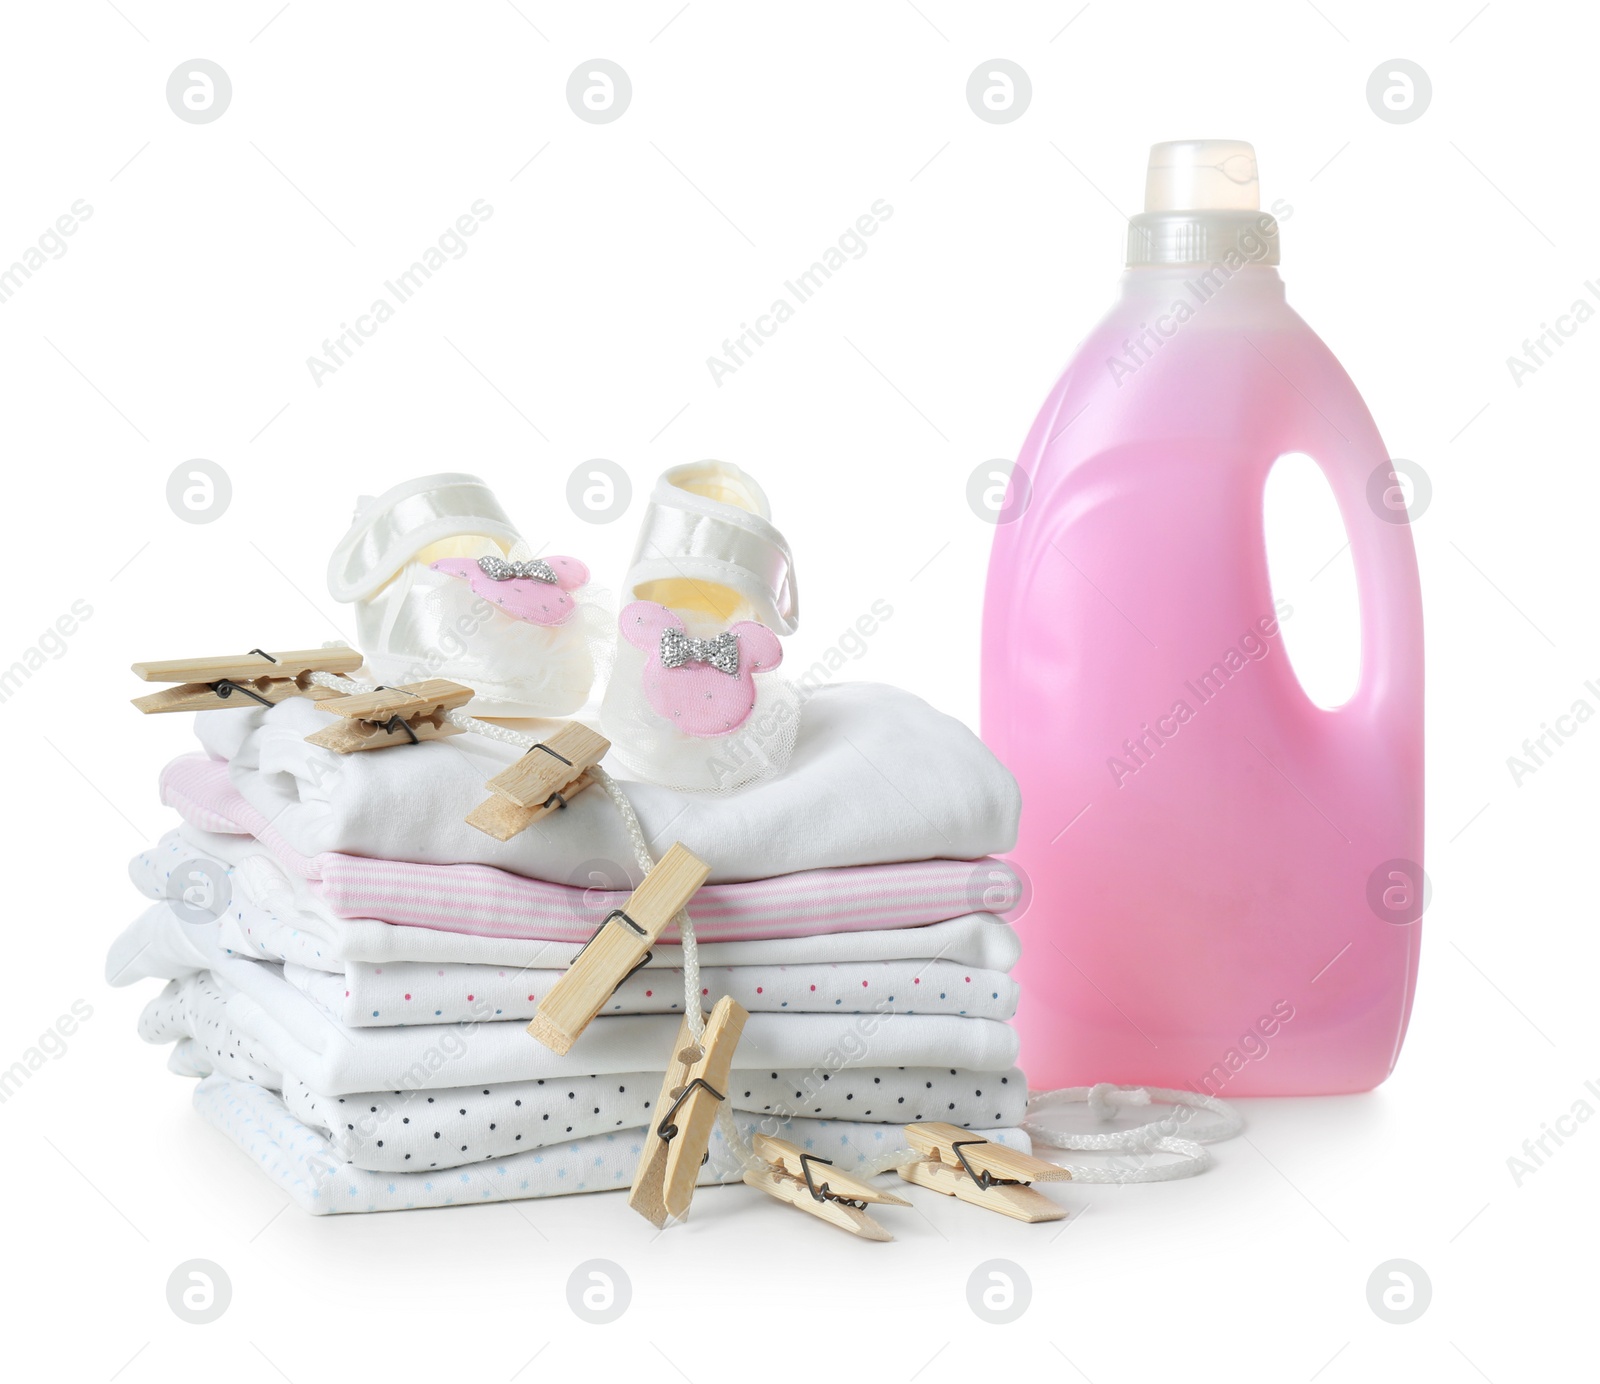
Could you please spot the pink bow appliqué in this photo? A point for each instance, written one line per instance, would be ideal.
(535, 598)
(687, 681)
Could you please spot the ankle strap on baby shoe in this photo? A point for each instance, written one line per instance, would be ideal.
(390, 529)
(709, 521)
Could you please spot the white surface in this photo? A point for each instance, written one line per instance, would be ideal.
(591, 299)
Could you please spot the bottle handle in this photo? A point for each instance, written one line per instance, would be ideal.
(1372, 507)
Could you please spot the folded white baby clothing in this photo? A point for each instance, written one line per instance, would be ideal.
(431, 1127)
(494, 902)
(269, 916)
(287, 1032)
(176, 938)
(366, 995)
(311, 1170)
(405, 1131)
(877, 777)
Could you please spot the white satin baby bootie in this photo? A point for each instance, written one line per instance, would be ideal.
(444, 586)
(694, 701)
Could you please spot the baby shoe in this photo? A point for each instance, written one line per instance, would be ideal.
(694, 701)
(444, 586)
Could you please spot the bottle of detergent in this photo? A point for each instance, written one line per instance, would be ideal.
(1226, 877)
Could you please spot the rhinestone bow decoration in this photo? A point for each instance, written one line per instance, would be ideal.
(721, 653)
(498, 569)
(538, 591)
(697, 687)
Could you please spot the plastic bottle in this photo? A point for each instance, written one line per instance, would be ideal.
(1225, 876)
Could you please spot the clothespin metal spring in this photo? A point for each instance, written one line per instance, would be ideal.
(666, 1131)
(617, 915)
(983, 1179)
(226, 687)
(823, 1193)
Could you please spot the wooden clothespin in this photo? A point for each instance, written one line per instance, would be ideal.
(619, 947)
(679, 1141)
(791, 1175)
(540, 782)
(960, 1164)
(401, 715)
(242, 680)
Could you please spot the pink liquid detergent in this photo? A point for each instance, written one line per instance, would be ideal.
(1226, 878)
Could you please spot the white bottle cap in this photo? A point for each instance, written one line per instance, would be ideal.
(1202, 205)
(1202, 175)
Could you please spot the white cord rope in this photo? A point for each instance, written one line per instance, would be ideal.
(641, 853)
(737, 1144)
(1106, 1101)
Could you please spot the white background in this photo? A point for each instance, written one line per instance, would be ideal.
(219, 256)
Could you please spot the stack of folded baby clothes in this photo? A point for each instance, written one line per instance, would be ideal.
(352, 966)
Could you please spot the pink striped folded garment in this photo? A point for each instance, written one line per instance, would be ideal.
(484, 901)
